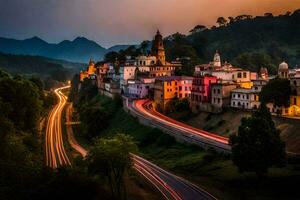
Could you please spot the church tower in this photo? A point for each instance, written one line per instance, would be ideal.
(158, 49)
(217, 60)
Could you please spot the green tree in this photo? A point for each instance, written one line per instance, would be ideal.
(22, 98)
(110, 158)
(258, 146)
(94, 119)
(221, 21)
(277, 91)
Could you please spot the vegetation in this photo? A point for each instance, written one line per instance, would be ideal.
(27, 64)
(178, 105)
(247, 49)
(110, 158)
(277, 91)
(258, 146)
(214, 172)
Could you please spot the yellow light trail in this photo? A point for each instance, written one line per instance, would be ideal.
(56, 155)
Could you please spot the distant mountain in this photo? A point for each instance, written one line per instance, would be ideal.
(78, 50)
(19, 64)
(117, 48)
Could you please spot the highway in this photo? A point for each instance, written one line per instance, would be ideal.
(70, 134)
(171, 186)
(144, 109)
(56, 155)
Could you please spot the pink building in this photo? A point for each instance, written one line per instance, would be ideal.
(201, 91)
(184, 86)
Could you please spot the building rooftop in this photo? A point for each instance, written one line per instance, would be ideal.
(244, 90)
(172, 78)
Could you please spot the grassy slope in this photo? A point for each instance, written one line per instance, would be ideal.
(228, 122)
(213, 172)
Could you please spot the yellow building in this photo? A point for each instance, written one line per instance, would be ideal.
(90, 70)
(246, 85)
(170, 87)
(294, 109)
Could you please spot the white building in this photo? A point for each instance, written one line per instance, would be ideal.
(245, 98)
(220, 94)
(139, 88)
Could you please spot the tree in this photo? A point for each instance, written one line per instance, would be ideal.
(94, 119)
(110, 158)
(221, 21)
(111, 56)
(22, 98)
(258, 146)
(144, 45)
(277, 91)
(198, 28)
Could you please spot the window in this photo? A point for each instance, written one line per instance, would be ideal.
(214, 91)
(244, 75)
(185, 95)
(295, 101)
(186, 89)
(219, 91)
(180, 88)
(295, 82)
(180, 95)
(239, 75)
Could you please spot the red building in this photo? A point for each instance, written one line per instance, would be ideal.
(201, 92)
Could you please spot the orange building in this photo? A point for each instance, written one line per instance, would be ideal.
(89, 72)
(168, 88)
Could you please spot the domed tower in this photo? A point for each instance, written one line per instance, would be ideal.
(283, 70)
(158, 49)
(217, 59)
(263, 73)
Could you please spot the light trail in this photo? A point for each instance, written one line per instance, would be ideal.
(144, 108)
(56, 155)
(171, 186)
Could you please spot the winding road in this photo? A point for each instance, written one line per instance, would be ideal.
(171, 186)
(56, 155)
(144, 109)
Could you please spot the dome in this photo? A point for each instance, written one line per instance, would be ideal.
(263, 70)
(217, 57)
(283, 66)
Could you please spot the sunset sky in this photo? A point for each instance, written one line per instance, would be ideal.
(110, 22)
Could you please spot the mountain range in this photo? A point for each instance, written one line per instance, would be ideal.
(78, 50)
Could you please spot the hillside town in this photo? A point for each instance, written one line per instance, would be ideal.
(213, 87)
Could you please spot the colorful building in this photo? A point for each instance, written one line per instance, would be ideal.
(245, 98)
(90, 71)
(154, 65)
(167, 88)
(201, 91)
(139, 89)
(221, 94)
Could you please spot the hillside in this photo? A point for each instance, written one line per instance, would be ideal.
(250, 42)
(28, 64)
(228, 122)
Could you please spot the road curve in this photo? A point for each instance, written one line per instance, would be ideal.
(144, 108)
(174, 187)
(171, 186)
(56, 155)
